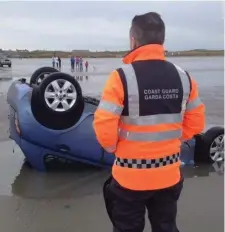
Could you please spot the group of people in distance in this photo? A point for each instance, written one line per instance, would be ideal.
(56, 62)
(76, 63)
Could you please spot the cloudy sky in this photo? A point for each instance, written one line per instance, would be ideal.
(105, 25)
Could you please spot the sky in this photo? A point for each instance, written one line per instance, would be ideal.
(104, 25)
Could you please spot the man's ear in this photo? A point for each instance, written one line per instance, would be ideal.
(132, 43)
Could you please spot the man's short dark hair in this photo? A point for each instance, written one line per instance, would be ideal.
(148, 28)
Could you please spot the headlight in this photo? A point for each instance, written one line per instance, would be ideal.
(17, 124)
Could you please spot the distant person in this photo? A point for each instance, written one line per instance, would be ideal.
(59, 63)
(77, 63)
(86, 66)
(72, 62)
(53, 62)
(81, 64)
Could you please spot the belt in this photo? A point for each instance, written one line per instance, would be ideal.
(149, 163)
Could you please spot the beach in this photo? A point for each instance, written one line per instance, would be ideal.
(72, 200)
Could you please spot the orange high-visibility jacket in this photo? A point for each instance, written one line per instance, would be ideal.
(147, 108)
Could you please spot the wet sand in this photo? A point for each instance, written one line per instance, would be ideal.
(72, 200)
(3, 119)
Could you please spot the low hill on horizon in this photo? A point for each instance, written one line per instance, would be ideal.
(100, 54)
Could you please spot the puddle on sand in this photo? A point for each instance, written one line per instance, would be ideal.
(203, 170)
(11, 161)
(4, 86)
(65, 181)
(62, 200)
(17, 178)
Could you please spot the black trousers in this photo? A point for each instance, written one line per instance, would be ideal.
(126, 208)
(72, 66)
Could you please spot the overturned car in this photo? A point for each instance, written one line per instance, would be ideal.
(50, 119)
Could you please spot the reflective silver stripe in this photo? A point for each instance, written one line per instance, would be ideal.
(132, 88)
(152, 119)
(149, 136)
(193, 104)
(149, 163)
(110, 149)
(111, 107)
(186, 86)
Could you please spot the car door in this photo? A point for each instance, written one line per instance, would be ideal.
(80, 141)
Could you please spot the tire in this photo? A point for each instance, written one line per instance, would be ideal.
(205, 142)
(40, 73)
(9, 65)
(57, 119)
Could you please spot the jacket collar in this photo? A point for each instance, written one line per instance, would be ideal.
(145, 52)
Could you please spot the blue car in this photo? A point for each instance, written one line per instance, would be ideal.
(49, 118)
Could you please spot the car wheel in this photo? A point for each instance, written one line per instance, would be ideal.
(9, 65)
(57, 103)
(210, 145)
(40, 74)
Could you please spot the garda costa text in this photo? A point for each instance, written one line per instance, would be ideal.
(161, 94)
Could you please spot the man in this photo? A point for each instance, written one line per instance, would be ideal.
(53, 61)
(81, 64)
(59, 60)
(72, 62)
(147, 108)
